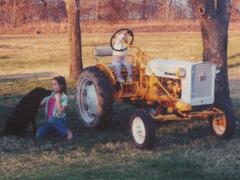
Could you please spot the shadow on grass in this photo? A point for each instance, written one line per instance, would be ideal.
(4, 57)
(115, 131)
(234, 65)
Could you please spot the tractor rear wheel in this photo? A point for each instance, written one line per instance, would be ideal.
(142, 130)
(223, 127)
(94, 97)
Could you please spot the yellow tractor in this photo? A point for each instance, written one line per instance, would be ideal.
(168, 90)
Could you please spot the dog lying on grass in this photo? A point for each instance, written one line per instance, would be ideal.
(25, 113)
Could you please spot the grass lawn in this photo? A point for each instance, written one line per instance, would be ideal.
(182, 150)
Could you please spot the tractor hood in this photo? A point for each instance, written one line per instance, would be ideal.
(197, 78)
(168, 68)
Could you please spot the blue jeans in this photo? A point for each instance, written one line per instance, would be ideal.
(58, 124)
(118, 62)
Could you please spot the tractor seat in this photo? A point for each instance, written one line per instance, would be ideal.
(102, 51)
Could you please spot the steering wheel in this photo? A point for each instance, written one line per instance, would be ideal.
(119, 32)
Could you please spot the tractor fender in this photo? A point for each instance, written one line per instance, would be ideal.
(107, 71)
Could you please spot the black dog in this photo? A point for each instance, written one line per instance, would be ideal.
(25, 113)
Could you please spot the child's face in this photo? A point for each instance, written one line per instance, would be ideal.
(56, 86)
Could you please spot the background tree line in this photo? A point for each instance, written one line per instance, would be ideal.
(17, 12)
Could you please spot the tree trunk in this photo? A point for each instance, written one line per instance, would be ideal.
(214, 20)
(143, 10)
(14, 15)
(73, 9)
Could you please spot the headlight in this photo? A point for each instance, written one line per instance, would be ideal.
(181, 73)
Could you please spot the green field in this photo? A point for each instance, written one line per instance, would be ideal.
(182, 150)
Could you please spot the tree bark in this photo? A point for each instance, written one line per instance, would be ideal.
(214, 21)
(14, 15)
(73, 9)
(143, 10)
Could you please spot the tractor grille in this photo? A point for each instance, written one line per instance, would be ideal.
(202, 81)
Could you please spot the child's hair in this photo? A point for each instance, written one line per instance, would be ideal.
(62, 82)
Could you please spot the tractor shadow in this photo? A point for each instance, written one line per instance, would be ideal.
(120, 116)
(167, 134)
(181, 133)
(177, 133)
(170, 134)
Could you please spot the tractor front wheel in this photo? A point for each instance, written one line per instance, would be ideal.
(142, 130)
